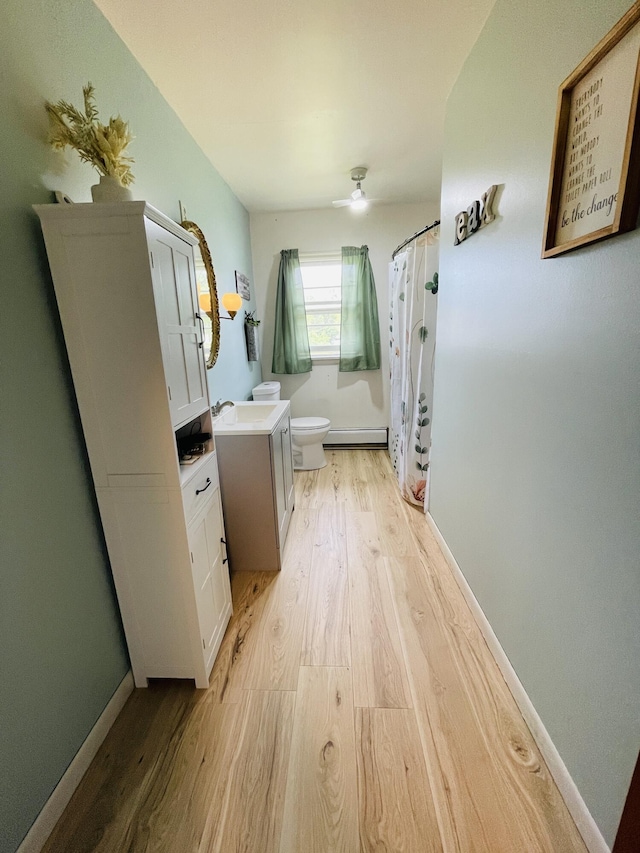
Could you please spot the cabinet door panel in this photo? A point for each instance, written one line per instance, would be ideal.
(174, 286)
(192, 331)
(282, 477)
(287, 464)
(168, 306)
(177, 378)
(211, 580)
(278, 477)
(194, 363)
(187, 305)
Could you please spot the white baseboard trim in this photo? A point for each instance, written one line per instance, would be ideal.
(577, 807)
(43, 825)
(357, 436)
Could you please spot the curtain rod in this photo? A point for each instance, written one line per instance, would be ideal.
(417, 234)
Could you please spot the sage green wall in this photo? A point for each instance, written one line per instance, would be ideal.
(536, 438)
(62, 653)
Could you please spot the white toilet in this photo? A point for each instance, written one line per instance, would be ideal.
(307, 434)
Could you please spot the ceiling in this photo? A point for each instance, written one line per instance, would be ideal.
(285, 97)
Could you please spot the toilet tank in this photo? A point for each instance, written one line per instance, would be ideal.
(267, 391)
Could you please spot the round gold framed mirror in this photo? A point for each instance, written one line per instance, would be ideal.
(207, 294)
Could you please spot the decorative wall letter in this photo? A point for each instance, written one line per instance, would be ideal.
(487, 202)
(461, 228)
(473, 212)
(478, 214)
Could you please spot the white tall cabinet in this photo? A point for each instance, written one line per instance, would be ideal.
(124, 280)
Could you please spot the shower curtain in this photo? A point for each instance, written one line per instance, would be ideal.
(413, 283)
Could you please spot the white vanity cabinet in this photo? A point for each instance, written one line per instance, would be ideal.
(256, 478)
(125, 285)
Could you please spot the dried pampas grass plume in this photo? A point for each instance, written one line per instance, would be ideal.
(101, 145)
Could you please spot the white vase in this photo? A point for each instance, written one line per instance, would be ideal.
(110, 189)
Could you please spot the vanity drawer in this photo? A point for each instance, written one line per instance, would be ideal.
(199, 490)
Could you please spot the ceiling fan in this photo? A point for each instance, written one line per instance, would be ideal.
(358, 199)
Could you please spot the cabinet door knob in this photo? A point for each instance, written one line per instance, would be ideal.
(285, 430)
(199, 491)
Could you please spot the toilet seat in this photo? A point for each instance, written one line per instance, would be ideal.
(309, 423)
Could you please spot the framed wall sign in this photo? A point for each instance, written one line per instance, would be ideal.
(594, 187)
(242, 285)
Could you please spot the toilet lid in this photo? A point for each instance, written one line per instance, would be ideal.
(267, 386)
(310, 423)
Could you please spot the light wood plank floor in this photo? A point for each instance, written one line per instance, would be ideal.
(354, 706)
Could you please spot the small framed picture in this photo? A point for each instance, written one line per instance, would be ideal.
(242, 285)
(594, 187)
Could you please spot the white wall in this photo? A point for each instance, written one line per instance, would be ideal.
(349, 400)
(535, 478)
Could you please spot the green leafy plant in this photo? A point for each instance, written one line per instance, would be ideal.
(101, 145)
(250, 319)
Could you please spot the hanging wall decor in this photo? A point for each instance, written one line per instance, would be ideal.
(251, 335)
(242, 285)
(594, 187)
(478, 214)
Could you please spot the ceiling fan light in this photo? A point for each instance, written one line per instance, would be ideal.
(358, 198)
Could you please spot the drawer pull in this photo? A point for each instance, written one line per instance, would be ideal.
(199, 491)
(201, 341)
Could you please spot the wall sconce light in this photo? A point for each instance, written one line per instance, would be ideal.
(232, 303)
(204, 300)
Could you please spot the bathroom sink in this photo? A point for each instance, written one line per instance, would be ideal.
(253, 417)
(247, 413)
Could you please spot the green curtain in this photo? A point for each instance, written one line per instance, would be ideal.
(291, 340)
(359, 326)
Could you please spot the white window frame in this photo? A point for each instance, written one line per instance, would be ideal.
(322, 353)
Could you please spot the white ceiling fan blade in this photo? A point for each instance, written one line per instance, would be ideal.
(358, 199)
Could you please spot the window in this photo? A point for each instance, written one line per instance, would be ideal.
(321, 276)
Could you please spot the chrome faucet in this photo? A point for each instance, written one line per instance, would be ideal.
(219, 407)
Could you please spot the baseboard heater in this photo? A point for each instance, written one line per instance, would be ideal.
(357, 438)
